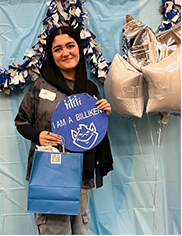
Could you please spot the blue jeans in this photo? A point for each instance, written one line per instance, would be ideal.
(47, 224)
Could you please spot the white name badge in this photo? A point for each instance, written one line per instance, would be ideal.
(46, 94)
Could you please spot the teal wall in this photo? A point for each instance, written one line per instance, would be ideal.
(142, 194)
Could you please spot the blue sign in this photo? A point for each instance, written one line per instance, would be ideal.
(79, 122)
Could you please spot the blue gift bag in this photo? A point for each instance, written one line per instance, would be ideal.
(55, 183)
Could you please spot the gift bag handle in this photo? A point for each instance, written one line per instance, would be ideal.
(62, 142)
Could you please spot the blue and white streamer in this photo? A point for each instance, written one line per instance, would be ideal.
(71, 13)
(171, 10)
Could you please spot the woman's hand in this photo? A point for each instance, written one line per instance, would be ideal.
(103, 105)
(47, 138)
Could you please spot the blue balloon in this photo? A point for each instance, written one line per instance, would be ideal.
(79, 122)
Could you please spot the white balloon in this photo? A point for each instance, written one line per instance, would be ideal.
(164, 84)
(124, 88)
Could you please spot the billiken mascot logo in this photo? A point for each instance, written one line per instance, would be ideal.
(85, 137)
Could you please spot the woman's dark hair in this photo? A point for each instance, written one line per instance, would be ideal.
(52, 74)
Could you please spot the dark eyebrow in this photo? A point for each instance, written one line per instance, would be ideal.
(67, 44)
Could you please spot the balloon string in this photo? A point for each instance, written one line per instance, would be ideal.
(156, 170)
(159, 137)
(163, 138)
(154, 198)
(155, 187)
(134, 125)
(151, 136)
(160, 147)
(160, 143)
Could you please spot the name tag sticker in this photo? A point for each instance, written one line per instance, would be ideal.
(79, 122)
(46, 94)
(55, 158)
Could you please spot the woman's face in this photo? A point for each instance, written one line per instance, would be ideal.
(65, 52)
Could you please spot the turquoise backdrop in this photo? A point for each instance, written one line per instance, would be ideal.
(142, 195)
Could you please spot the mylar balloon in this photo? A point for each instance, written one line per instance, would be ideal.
(164, 84)
(141, 43)
(171, 38)
(144, 49)
(130, 25)
(130, 28)
(124, 88)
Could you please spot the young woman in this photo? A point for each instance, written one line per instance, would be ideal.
(63, 74)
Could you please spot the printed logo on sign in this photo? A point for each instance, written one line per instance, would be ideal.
(55, 158)
(72, 102)
(85, 137)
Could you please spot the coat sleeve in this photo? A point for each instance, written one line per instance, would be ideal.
(25, 118)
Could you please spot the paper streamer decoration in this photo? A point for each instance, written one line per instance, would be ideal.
(164, 84)
(124, 88)
(70, 13)
(171, 11)
(74, 13)
(79, 122)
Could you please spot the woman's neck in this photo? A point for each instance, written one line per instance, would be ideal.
(71, 75)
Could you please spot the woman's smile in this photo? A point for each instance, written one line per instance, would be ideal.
(67, 60)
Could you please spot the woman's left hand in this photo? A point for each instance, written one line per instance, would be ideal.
(104, 105)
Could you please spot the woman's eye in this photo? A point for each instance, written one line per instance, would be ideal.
(71, 46)
(57, 50)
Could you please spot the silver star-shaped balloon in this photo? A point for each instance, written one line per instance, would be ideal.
(164, 84)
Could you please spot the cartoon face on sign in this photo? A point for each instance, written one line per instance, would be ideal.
(85, 137)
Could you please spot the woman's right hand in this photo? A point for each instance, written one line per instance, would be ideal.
(47, 138)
